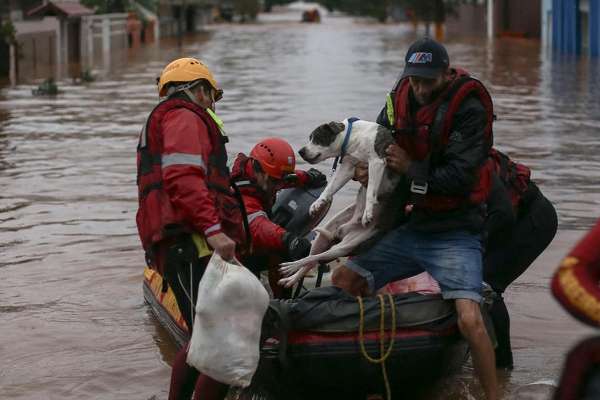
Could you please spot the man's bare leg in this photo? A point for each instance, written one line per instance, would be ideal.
(470, 323)
(349, 281)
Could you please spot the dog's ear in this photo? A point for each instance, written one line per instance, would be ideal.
(325, 134)
(336, 127)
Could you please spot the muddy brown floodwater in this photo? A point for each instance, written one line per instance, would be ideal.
(73, 321)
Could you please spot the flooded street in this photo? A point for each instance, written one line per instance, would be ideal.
(73, 321)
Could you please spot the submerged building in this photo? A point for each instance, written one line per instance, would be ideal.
(571, 26)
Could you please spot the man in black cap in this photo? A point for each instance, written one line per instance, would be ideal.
(427, 68)
(442, 121)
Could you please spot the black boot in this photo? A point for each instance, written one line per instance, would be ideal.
(501, 320)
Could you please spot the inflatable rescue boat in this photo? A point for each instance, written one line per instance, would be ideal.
(324, 343)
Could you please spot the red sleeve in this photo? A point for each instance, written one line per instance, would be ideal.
(575, 283)
(186, 150)
(267, 237)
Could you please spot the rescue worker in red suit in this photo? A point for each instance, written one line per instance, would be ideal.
(269, 168)
(576, 286)
(441, 119)
(187, 208)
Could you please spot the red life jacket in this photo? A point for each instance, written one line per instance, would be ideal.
(425, 134)
(156, 218)
(514, 176)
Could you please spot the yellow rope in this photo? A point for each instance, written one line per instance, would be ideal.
(384, 354)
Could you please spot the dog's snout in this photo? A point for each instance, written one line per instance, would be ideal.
(302, 152)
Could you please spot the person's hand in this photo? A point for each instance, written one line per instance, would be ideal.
(397, 159)
(315, 178)
(361, 173)
(222, 245)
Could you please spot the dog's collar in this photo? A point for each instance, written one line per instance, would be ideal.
(339, 159)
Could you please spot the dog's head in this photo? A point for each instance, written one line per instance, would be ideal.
(324, 142)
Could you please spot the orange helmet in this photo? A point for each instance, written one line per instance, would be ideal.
(185, 70)
(275, 156)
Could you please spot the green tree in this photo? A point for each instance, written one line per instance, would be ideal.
(8, 32)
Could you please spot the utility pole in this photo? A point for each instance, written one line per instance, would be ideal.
(490, 19)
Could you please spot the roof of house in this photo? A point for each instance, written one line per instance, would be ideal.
(61, 9)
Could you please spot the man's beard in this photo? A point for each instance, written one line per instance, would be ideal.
(432, 97)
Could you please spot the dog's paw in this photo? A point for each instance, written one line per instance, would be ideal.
(367, 218)
(290, 281)
(287, 282)
(289, 268)
(317, 206)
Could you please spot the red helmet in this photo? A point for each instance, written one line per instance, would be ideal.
(275, 156)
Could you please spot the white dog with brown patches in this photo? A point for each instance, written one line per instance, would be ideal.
(353, 142)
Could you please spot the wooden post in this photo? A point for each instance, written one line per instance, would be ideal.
(490, 19)
(13, 65)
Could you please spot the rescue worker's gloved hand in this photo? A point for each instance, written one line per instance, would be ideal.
(297, 247)
(313, 178)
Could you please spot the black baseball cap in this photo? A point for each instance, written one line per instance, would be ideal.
(426, 58)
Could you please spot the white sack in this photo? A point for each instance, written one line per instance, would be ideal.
(229, 312)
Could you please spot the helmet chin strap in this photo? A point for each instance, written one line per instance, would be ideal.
(191, 96)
